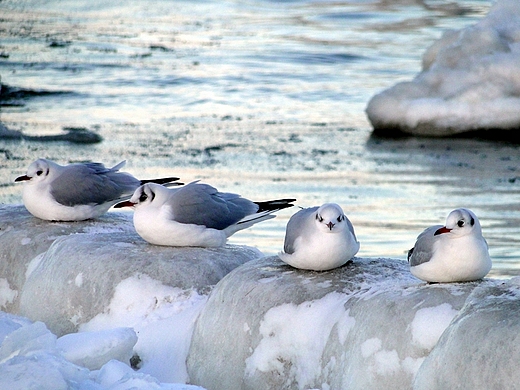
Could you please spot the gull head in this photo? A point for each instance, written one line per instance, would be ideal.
(38, 172)
(460, 222)
(330, 218)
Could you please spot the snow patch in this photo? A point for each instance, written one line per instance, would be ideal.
(7, 295)
(298, 334)
(429, 323)
(163, 318)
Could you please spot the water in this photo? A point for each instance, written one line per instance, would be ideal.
(263, 98)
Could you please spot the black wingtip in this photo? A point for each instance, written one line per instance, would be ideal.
(162, 180)
(277, 204)
(410, 252)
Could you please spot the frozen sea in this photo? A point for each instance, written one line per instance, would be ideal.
(263, 98)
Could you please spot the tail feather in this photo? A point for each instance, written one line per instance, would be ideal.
(265, 212)
(274, 205)
(162, 180)
(247, 222)
(118, 166)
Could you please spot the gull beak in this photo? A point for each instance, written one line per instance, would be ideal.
(23, 178)
(126, 203)
(442, 230)
(330, 225)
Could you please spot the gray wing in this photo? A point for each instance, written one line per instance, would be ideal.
(351, 228)
(202, 204)
(423, 250)
(91, 183)
(300, 224)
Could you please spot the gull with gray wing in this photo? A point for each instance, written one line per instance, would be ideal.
(195, 215)
(456, 252)
(319, 238)
(77, 192)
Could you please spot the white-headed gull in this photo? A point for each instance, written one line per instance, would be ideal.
(76, 192)
(456, 252)
(319, 238)
(195, 214)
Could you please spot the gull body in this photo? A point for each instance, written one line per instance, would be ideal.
(456, 252)
(195, 215)
(76, 192)
(319, 239)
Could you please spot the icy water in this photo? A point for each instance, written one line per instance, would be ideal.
(263, 98)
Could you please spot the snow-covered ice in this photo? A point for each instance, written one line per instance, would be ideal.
(470, 81)
(481, 347)
(31, 357)
(106, 310)
(366, 325)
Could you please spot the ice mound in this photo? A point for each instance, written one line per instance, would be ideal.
(482, 345)
(366, 325)
(470, 81)
(24, 238)
(106, 310)
(106, 293)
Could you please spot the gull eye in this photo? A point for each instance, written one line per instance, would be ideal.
(460, 223)
(340, 218)
(39, 172)
(143, 197)
(319, 218)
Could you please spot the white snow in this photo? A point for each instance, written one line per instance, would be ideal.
(78, 281)
(98, 357)
(429, 323)
(93, 349)
(470, 80)
(298, 334)
(7, 295)
(162, 316)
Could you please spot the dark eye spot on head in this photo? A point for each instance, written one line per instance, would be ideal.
(460, 223)
(143, 197)
(319, 218)
(39, 172)
(472, 222)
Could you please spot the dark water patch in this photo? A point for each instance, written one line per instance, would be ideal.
(348, 16)
(143, 55)
(77, 135)
(8, 155)
(216, 148)
(230, 118)
(322, 152)
(160, 48)
(309, 58)
(507, 136)
(209, 150)
(15, 96)
(59, 44)
(76, 67)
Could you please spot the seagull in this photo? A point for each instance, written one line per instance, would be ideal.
(319, 238)
(456, 252)
(77, 192)
(195, 215)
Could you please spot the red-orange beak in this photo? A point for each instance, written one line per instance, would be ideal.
(23, 178)
(126, 203)
(442, 230)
